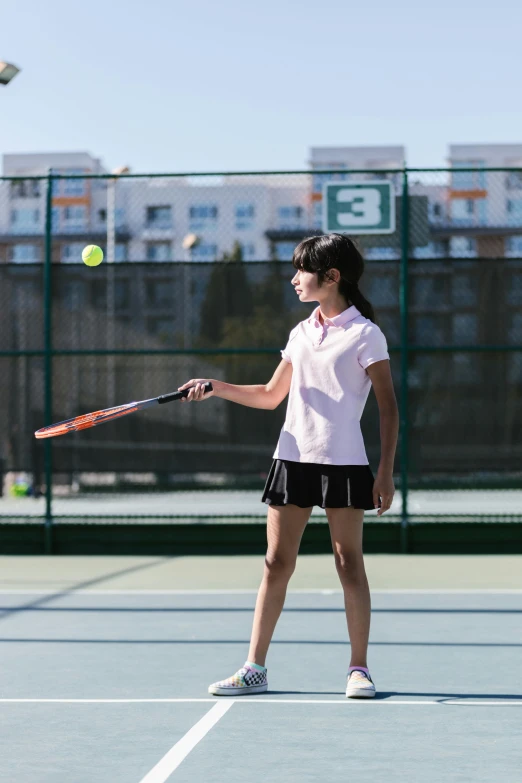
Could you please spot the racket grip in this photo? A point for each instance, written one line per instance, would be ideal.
(179, 394)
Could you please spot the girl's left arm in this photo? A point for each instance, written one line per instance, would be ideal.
(381, 378)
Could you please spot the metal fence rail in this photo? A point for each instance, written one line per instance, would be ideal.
(446, 284)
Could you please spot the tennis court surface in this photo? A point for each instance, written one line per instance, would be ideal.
(106, 661)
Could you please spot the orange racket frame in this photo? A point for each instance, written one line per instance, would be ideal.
(88, 420)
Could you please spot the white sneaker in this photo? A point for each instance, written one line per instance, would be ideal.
(359, 685)
(244, 681)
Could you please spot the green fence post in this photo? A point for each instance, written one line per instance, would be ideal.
(48, 365)
(404, 413)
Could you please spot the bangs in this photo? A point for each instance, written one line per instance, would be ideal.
(306, 256)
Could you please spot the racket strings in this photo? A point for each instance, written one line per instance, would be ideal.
(85, 421)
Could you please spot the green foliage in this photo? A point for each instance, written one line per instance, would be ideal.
(228, 294)
(242, 312)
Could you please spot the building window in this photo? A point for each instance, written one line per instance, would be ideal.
(25, 221)
(245, 214)
(429, 330)
(514, 180)
(25, 188)
(514, 211)
(463, 290)
(468, 180)
(248, 251)
(71, 187)
(290, 218)
(159, 293)
(204, 252)
(74, 219)
(463, 247)
(284, 251)
(24, 254)
(382, 253)
(431, 250)
(464, 328)
(120, 252)
(159, 217)
(158, 251)
(202, 216)
(514, 247)
(119, 217)
(429, 292)
(462, 211)
(72, 253)
(482, 211)
(462, 180)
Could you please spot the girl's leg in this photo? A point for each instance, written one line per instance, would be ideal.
(285, 526)
(346, 526)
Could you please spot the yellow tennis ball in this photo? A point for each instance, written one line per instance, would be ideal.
(92, 255)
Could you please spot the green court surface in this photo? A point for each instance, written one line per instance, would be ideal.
(105, 664)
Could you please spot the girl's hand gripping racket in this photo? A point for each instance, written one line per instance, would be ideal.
(109, 414)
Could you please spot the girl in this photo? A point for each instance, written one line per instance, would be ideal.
(329, 363)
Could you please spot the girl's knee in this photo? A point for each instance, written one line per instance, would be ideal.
(278, 566)
(350, 566)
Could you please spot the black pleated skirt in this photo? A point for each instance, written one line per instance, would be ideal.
(310, 484)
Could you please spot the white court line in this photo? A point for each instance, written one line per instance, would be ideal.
(250, 700)
(247, 591)
(173, 758)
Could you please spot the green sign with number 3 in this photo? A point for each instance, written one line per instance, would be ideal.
(359, 208)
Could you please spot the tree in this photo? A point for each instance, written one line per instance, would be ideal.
(228, 294)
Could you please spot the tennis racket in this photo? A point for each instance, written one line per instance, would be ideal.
(109, 414)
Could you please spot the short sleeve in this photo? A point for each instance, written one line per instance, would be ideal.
(286, 352)
(372, 346)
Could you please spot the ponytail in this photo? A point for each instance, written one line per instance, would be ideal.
(352, 293)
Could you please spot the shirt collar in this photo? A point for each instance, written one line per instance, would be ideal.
(338, 320)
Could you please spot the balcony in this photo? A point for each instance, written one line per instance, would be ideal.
(84, 234)
(473, 229)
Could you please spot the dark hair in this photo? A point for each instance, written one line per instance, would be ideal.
(335, 251)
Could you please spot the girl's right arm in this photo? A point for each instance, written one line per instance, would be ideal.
(267, 396)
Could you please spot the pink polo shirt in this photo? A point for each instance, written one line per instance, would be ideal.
(329, 388)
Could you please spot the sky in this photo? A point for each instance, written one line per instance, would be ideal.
(201, 85)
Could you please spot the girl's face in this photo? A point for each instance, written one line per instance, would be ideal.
(306, 286)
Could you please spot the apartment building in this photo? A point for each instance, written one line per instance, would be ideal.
(152, 215)
(75, 204)
(470, 214)
(484, 218)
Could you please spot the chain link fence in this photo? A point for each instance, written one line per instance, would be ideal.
(196, 283)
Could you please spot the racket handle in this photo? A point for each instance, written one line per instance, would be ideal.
(179, 394)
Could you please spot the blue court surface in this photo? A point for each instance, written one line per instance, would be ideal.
(111, 686)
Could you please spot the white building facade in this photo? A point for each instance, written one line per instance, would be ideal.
(470, 214)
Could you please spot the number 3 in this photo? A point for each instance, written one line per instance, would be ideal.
(365, 207)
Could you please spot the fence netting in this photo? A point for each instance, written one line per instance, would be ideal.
(196, 283)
